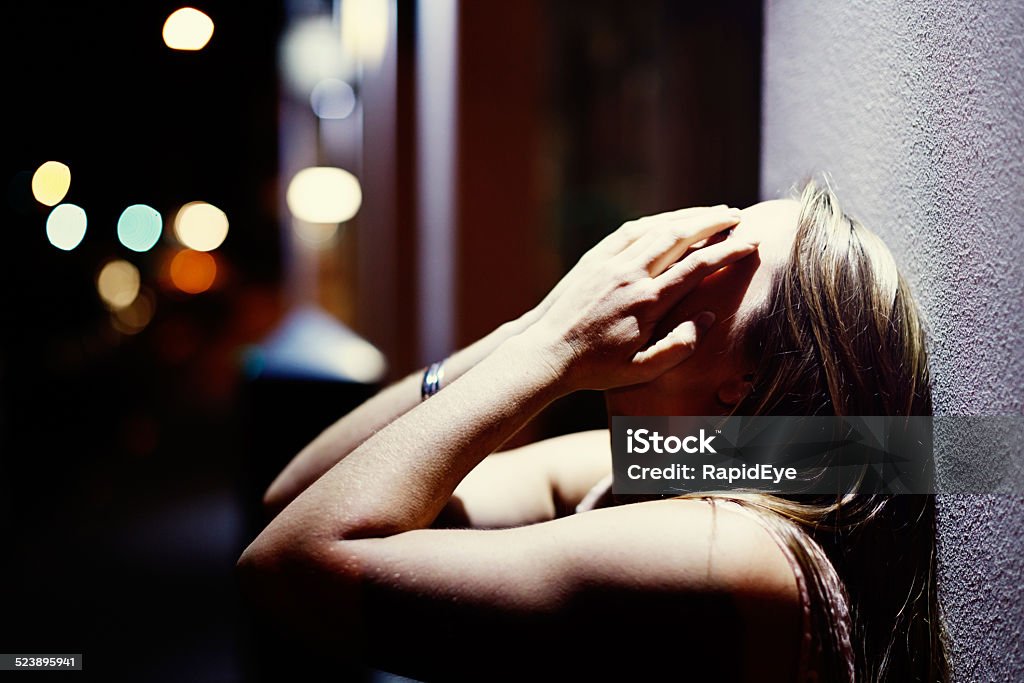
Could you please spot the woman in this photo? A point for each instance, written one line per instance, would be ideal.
(786, 307)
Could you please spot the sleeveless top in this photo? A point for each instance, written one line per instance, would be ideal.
(601, 496)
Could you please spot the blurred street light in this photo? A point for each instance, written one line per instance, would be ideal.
(187, 29)
(65, 226)
(50, 183)
(324, 194)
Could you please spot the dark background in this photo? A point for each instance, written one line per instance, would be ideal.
(119, 453)
(129, 471)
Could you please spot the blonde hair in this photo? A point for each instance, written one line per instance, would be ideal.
(840, 334)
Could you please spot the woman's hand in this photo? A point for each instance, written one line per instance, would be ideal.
(596, 326)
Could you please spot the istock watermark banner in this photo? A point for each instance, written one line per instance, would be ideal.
(817, 455)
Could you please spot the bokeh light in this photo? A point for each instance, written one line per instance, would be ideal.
(311, 52)
(118, 284)
(139, 227)
(65, 226)
(134, 318)
(333, 98)
(193, 271)
(324, 194)
(51, 182)
(201, 226)
(187, 29)
(364, 28)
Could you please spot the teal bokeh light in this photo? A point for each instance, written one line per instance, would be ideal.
(139, 227)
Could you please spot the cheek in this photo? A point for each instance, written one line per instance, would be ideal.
(703, 370)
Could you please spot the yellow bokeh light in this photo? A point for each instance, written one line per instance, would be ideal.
(187, 29)
(51, 183)
(201, 226)
(118, 284)
(323, 194)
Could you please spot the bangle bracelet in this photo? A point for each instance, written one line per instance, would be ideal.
(432, 378)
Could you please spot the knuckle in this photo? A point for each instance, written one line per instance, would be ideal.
(649, 296)
(688, 268)
(703, 262)
(633, 273)
(631, 227)
(682, 231)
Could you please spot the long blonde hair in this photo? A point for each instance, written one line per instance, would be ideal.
(840, 334)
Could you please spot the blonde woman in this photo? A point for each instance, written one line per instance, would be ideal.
(400, 539)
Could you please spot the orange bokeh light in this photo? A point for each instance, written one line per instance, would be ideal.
(193, 271)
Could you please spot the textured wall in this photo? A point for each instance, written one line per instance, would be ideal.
(915, 110)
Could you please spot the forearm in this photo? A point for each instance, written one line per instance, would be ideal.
(342, 437)
(401, 478)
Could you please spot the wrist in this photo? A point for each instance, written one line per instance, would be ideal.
(520, 324)
(546, 362)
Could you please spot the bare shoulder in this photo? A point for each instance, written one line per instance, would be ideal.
(707, 583)
(696, 550)
(695, 544)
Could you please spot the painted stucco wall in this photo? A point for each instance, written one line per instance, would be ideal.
(915, 109)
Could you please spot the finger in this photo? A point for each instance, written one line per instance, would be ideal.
(708, 241)
(676, 214)
(684, 276)
(661, 247)
(630, 231)
(674, 347)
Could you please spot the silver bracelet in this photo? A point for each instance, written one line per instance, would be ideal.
(432, 378)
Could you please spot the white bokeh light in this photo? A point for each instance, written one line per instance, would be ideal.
(65, 226)
(324, 194)
(201, 226)
(187, 29)
(311, 52)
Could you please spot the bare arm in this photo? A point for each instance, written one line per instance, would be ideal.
(342, 437)
(534, 483)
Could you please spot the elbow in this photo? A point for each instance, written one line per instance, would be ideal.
(266, 572)
(255, 573)
(291, 584)
(272, 559)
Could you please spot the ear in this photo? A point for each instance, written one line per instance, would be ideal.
(735, 389)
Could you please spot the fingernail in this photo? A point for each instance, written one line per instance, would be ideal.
(703, 320)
